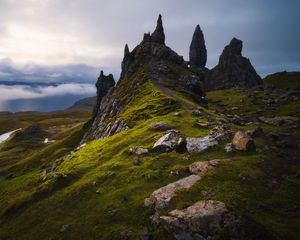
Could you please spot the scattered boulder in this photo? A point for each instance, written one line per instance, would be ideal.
(202, 167)
(198, 53)
(241, 141)
(64, 227)
(160, 126)
(199, 221)
(161, 197)
(228, 147)
(194, 145)
(138, 150)
(169, 142)
(280, 121)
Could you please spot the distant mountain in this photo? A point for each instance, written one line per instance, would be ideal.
(283, 79)
(85, 104)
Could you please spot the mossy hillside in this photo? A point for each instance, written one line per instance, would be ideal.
(231, 98)
(12, 121)
(104, 191)
(283, 79)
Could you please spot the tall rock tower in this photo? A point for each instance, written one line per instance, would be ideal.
(158, 35)
(198, 53)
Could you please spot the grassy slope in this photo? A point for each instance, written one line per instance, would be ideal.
(283, 79)
(103, 192)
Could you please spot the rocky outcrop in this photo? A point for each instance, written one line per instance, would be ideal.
(199, 221)
(233, 70)
(161, 197)
(158, 36)
(198, 53)
(169, 142)
(243, 142)
(103, 85)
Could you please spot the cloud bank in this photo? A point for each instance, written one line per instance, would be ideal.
(30, 92)
(94, 32)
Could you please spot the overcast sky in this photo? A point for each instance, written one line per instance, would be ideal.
(94, 32)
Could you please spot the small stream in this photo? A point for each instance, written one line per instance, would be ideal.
(5, 136)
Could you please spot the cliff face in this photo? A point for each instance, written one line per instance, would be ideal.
(233, 70)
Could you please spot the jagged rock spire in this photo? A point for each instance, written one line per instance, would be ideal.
(198, 53)
(126, 50)
(103, 85)
(233, 70)
(158, 35)
(126, 61)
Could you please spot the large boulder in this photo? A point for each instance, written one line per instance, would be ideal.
(198, 53)
(199, 221)
(233, 70)
(161, 197)
(210, 219)
(242, 141)
(169, 142)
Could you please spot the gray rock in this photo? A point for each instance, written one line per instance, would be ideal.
(194, 145)
(199, 221)
(169, 142)
(228, 147)
(161, 197)
(198, 53)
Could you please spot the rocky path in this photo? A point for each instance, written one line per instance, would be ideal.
(169, 93)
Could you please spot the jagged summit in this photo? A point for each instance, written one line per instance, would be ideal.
(158, 35)
(160, 65)
(198, 53)
(233, 70)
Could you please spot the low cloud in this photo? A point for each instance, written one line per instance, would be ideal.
(34, 92)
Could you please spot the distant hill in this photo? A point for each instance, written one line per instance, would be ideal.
(283, 79)
(85, 103)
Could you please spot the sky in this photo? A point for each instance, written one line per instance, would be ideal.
(71, 40)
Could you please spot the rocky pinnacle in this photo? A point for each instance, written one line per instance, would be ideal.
(158, 35)
(198, 53)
